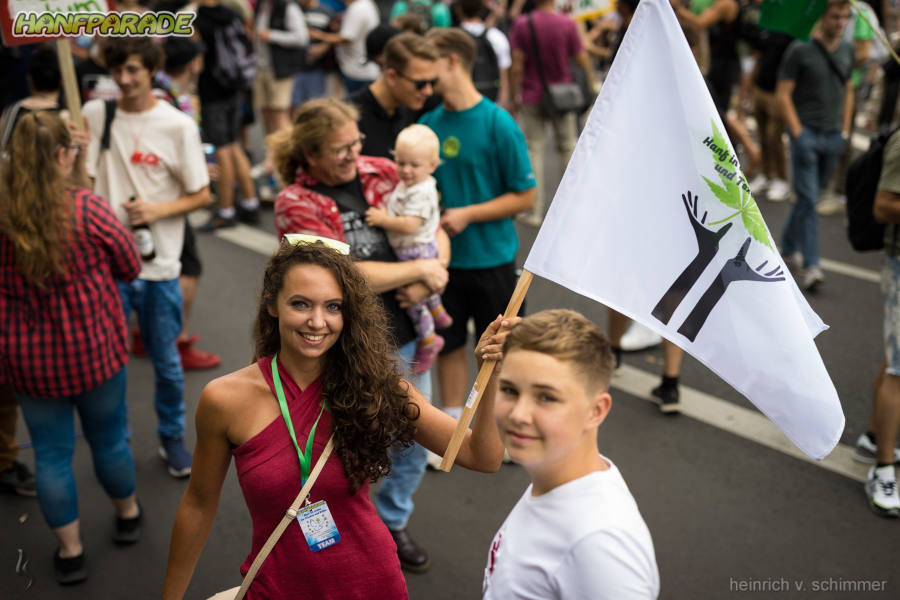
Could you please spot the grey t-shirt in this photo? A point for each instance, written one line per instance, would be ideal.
(818, 92)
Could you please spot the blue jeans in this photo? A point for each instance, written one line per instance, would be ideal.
(394, 498)
(52, 428)
(158, 306)
(813, 154)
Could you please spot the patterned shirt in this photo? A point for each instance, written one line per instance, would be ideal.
(299, 209)
(69, 337)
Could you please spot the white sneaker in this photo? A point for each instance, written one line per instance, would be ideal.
(258, 170)
(638, 338)
(866, 450)
(434, 461)
(881, 488)
(831, 205)
(778, 191)
(759, 184)
(812, 278)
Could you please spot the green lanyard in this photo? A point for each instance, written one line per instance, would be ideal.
(282, 403)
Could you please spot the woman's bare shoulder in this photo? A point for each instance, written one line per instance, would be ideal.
(235, 387)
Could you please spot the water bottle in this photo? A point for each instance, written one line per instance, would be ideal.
(144, 239)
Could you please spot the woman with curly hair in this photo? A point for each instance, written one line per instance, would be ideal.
(63, 341)
(322, 337)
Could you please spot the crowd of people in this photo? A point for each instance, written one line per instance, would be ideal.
(382, 143)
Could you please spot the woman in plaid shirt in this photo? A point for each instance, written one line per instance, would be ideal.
(63, 340)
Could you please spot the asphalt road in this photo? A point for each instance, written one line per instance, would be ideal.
(727, 514)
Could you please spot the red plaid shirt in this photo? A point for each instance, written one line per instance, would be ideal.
(70, 337)
(299, 209)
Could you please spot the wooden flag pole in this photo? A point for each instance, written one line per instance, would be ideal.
(862, 13)
(484, 375)
(70, 85)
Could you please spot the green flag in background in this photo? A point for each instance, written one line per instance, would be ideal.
(793, 17)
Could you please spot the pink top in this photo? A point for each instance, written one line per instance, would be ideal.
(363, 564)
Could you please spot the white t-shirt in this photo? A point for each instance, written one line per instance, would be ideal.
(585, 539)
(360, 18)
(418, 200)
(172, 165)
(498, 42)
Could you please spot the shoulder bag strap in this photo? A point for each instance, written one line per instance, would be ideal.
(537, 52)
(830, 60)
(289, 516)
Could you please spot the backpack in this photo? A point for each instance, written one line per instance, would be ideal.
(485, 71)
(235, 66)
(864, 232)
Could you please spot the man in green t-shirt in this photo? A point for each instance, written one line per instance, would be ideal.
(815, 93)
(485, 178)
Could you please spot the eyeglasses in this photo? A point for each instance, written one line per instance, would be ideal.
(344, 151)
(419, 83)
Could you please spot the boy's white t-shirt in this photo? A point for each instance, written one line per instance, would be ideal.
(359, 19)
(585, 539)
(418, 200)
(179, 168)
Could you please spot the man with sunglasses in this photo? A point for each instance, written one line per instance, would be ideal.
(399, 96)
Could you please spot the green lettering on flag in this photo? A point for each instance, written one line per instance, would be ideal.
(793, 17)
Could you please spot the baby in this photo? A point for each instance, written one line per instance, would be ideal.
(411, 221)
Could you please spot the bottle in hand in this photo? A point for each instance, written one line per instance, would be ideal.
(143, 239)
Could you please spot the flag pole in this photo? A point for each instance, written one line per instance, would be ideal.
(70, 84)
(862, 13)
(484, 375)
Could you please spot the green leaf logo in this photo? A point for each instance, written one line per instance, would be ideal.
(734, 191)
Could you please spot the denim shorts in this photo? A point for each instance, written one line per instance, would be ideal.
(890, 285)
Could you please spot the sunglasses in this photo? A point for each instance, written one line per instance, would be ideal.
(419, 83)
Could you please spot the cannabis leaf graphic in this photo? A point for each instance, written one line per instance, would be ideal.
(733, 195)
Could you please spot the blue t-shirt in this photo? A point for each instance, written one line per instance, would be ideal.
(483, 155)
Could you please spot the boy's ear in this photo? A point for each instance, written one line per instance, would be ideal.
(601, 403)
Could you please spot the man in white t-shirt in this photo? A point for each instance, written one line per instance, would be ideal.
(576, 532)
(152, 171)
(359, 19)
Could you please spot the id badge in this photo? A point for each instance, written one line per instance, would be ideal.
(318, 526)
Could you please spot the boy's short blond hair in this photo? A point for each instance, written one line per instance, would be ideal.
(422, 138)
(569, 336)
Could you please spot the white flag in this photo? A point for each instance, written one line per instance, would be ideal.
(654, 218)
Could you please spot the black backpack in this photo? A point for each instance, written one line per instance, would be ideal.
(235, 65)
(864, 232)
(485, 71)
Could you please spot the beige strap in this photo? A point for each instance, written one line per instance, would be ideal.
(289, 516)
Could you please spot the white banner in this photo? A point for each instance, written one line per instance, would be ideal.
(654, 219)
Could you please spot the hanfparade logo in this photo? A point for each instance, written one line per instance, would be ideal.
(35, 24)
(733, 193)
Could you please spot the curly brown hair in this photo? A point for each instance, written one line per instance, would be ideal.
(364, 392)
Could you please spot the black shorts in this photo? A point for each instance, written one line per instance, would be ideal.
(220, 120)
(479, 294)
(190, 258)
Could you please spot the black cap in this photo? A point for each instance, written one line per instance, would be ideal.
(378, 39)
(181, 50)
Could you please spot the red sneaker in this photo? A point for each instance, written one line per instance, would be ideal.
(137, 344)
(193, 359)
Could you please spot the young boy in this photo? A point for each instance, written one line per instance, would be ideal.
(411, 222)
(576, 532)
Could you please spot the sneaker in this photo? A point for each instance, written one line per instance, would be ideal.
(639, 338)
(530, 219)
(669, 401)
(881, 488)
(433, 461)
(759, 184)
(172, 450)
(812, 278)
(794, 263)
(413, 557)
(442, 320)
(779, 190)
(865, 451)
(196, 360)
(426, 353)
(250, 216)
(137, 344)
(128, 531)
(831, 205)
(69, 570)
(217, 221)
(18, 480)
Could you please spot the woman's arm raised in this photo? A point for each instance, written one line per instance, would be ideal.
(197, 510)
